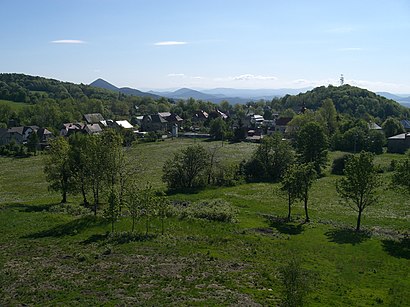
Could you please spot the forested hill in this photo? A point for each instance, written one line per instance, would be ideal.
(348, 99)
(32, 89)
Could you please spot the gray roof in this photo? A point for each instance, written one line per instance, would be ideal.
(93, 128)
(400, 136)
(93, 118)
(405, 123)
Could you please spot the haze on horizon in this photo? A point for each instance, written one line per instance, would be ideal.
(160, 44)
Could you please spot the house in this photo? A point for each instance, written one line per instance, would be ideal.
(3, 136)
(92, 129)
(200, 116)
(44, 135)
(16, 134)
(256, 120)
(123, 124)
(70, 128)
(281, 124)
(94, 118)
(406, 124)
(154, 122)
(398, 143)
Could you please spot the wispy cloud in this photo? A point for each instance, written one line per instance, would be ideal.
(247, 77)
(68, 41)
(176, 75)
(170, 43)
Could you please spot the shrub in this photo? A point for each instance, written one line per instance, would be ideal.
(214, 210)
(70, 209)
(339, 163)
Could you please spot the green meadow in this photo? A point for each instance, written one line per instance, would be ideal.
(15, 106)
(50, 256)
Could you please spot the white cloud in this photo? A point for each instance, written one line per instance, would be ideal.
(68, 41)
(170, 43)
(247, 77)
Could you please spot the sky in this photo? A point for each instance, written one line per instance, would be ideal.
(159, 44)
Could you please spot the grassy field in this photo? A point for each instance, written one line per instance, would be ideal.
(16, 106)
(48, 257)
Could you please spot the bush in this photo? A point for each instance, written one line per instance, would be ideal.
(215, 210)
(339, 163)
(227, 175)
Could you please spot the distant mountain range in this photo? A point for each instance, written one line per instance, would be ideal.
(125, 90)
(229, 94)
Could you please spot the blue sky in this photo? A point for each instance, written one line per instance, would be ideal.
(152, 44)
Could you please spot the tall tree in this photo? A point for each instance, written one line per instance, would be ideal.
(218, 129)
(359, 186)
(57, 167)
(312, 144)
(329, 114)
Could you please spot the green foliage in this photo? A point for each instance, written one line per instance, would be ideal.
(291, 186)
(213, 210)
(312, 144)
(401, 176)
(339, 163)
(391, 126)
(187, 169)
(270, 160)
(218, 129)
(57, 167)
(329, 114)
(359, 186)
(347, 99)
(295, 283)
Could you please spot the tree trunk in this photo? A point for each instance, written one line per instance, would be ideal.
(289, 206)
(359, 217)
(64, 194)
(307, 220)
(85, 202)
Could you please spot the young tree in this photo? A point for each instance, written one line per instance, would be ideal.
(218, 128)
(111, 213)
(329, 114)
(133, 202)
(187, 169)
(32, 142)
(57, 167)
(290, 185)
(295, 283)
(305, 176)
(312, 144)
(401, 176)
(359, 186)
(78, 163)
(392, 126)
(163, 206)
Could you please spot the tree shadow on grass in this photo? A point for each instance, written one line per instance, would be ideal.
(285, 227)
(347, 236)
(69, 229)
(397, 248)
(29, 208)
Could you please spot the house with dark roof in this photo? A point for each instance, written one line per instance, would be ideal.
(281, 124)
(92, 129)
(154, 122)
(398, 143)
(94, 118)
(70, 128)
(200, 116)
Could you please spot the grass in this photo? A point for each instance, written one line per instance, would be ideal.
(52, 258)
(15, 106)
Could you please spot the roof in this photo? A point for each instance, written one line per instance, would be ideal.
(155, 118)
(164, 114)
(405, 123)
(374, 126)
(124, 124)
(93, 128)
(174, 118)
(222, 114)
(18, 130)
(283, 121)
(401, 136)
(93, 118)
